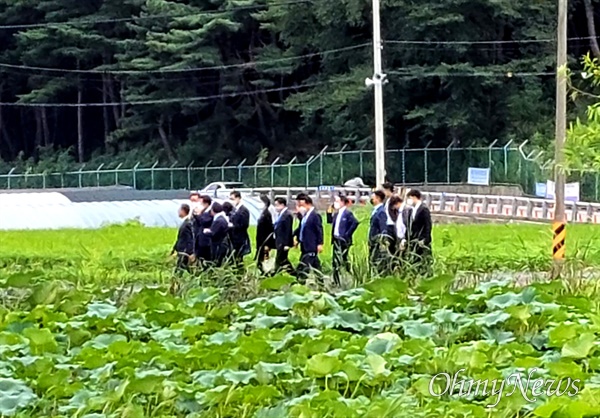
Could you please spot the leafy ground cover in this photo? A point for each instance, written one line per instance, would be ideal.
(366, 352)
(88, 329)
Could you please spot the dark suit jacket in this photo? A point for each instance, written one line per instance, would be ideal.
(378, 225)
(312, 235)
(185, 238)
(265, 236)
(202, 221)
(420, 227)
(348, 225)
(284, 230)
(218, 231)
(241, 221)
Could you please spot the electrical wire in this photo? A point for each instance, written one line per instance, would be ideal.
(490, 42)
(178, 99)
(184, 70)
(148, 17)
(507, 74)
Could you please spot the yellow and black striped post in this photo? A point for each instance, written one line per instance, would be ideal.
(558, 243)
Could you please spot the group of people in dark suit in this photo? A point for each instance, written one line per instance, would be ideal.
(212, 233)
(399, 232)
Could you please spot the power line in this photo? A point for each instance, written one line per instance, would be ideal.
(490, 42)
(183, 70)
(507, 74)
(179, 99)
(148, 17)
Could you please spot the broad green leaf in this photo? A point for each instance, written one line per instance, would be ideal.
(322, 365)
(101, 310)
(15, 395)
(492, 318)
(377, 364)
(580, 347)
(41, 340)
(417, 329)
(382, 343)
(287, 301)
(277, 282)
(504, 301)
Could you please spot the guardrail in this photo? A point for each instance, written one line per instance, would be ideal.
(498, 207)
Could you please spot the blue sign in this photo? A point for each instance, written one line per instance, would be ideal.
(540, 189)
(479, 176)
(326, 188)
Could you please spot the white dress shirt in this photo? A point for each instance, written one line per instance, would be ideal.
(338, 219)
(414, 209)
(389, 221)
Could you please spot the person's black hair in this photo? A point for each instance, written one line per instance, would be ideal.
(379, 194)
(185, 208)
(265, 199)
(227, 208)
(281, 201)
(395, 199)
(217, 207)
(194, 193)
(344, 199)
(206, 199)
(305, 198)
(393, 211)
(235, 194)
(388, 186)
(414, 193)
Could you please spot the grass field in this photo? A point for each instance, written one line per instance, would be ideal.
(76, 343)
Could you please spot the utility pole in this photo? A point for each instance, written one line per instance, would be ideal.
(559, 227)
(378, 80)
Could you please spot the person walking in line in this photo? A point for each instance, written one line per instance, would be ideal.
(344, 225)
(397, 211)
(265, 234)
(184, 246)
(419, 230)
(378, 232)
(284, 235)
(310, 236)
(203, 219)
(218, 233)
(389, 191)
(240, 220)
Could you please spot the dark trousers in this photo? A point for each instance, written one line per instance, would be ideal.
(379, 255)
(261, 256)
(341, 250)
(420, 257)
(183, 264)
(308, 262)
(282, 261)
(204, 255)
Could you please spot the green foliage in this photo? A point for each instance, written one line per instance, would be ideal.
(240, 67)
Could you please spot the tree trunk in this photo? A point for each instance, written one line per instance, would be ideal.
(5, 137)
(113, 99)
(80, 150)
(591, 24)
(38, 128)
(165, 139)
(105, 108)
(47, 141)
(122, 100)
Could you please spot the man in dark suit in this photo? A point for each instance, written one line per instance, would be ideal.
(239, 234)
(203, 219)
(310, 236)
(389, 191)
(284, 235)
(184, 246)
(419, 229)
(378, 232)
(344, 225)
(218, 233)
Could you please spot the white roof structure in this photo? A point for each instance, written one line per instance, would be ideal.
(39, 211)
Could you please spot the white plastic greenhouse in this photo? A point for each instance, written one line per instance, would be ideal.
(37, 211)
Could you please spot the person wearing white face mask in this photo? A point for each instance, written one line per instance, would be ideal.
(419, 229)
(344, 225)
(284, 235)
(203, 219)
(310, 236)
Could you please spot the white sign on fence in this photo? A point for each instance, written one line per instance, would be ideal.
(479, 176)
(571, 191)
(540, 189)
(326, 188)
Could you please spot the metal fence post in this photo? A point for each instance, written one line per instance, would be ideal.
(223, 170)
(134, 172)
(171, 171)
(98, 174)
(289, 182)
(321, 154)
(448, 158)
(425, 162)
(189, 175)
(152, 184)
(342, 163)
(404, 165)
(44, 179)
(273, 171)
(506, 147)
(117, 174)
(597, 178)
(81, 174)
(490, 157)
(240, 168)
(307, 166)
(256, 172)
(10, 174)
(360, 159)
(206, 172)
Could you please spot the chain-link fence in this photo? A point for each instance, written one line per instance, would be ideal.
(509, 164)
